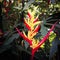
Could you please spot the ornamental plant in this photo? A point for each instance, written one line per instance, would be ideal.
(33, 26)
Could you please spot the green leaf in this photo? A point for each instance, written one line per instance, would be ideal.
(52, 36)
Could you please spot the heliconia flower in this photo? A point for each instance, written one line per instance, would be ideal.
(33, 27)
(37, 28)
(36, 23)
(29, 15)
(34, 43)
(35, 31)
(27, 26)
(33, 34)
(35, 20)
(24, 37)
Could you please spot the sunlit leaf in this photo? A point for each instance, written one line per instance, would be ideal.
(52, 36)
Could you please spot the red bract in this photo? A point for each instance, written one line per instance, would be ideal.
(24, 37)
(37, 29)
(29, 15)
(27, 26)
(36, 19)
